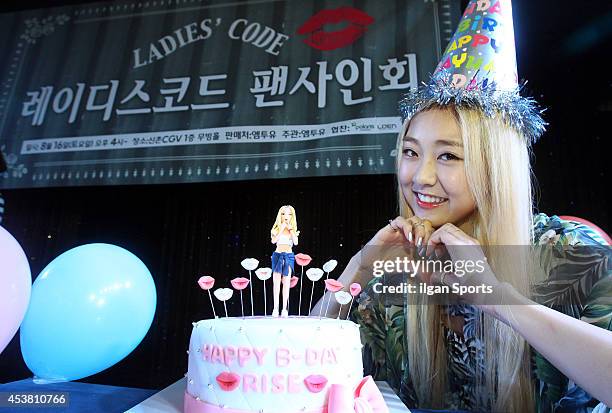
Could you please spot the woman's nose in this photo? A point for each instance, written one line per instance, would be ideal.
(426, 173)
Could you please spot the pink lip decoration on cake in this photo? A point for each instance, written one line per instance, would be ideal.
(333, 285)
(228, 381)
(206, 283)
(240, 283)
(354, 289)
(302, 260)
(263, 274)
(315, 383)
(292, 283)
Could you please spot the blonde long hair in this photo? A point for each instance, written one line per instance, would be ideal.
(292, 222)
(498, 172)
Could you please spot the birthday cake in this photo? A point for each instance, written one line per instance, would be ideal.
(264, 364)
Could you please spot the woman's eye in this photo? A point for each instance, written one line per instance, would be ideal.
(409, 152)
(449, 157)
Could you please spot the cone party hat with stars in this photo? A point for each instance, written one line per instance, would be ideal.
(478, 69)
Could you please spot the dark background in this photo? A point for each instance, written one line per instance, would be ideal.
(184, 231)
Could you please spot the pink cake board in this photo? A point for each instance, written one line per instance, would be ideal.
(170, 400)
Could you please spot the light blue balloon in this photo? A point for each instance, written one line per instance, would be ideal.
(89, 308)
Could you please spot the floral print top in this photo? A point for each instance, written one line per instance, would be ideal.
(579, 284)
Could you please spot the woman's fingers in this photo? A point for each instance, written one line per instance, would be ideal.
(447, 235)
(398, 224)
(415, 230)
(418, 229)
(422, 229)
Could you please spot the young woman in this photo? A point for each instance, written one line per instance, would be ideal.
(284, 234)
(464, 185)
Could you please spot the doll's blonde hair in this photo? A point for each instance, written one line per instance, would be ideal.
(498, 173)
(292, 222)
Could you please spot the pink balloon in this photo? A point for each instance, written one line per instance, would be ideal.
(355, 289)
(333, 285)
(303, 259)
(206, 283)
(293, 282)
(15, 286)
(240, 283)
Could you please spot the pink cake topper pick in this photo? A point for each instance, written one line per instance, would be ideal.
(206, 283)
(354, 289)
(314, 275)
(292, 283)
(250, 264)
(332, 286)
(302, 260)
(263, 274)
(240, 283)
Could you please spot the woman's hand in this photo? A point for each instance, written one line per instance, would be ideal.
(472, 272)
(414, 231)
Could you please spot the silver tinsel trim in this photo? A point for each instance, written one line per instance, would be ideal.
(523, 113)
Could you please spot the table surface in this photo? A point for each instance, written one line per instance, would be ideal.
(83, 398)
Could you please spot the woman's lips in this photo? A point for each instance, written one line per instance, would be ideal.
(322, 40)
(427, 205)
(228, 381)
(315, 383)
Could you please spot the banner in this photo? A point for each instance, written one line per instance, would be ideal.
(174, 91)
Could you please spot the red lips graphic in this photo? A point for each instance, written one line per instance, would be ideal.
(228, 381)
(322, 40)
(315, 383)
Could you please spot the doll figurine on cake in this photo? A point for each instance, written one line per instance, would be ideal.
(284, 234)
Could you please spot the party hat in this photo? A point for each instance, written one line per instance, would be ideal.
(478, 69)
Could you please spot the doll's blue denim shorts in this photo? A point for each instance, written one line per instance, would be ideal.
(282, 261)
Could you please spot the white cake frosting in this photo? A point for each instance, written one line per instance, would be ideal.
(272, 365)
